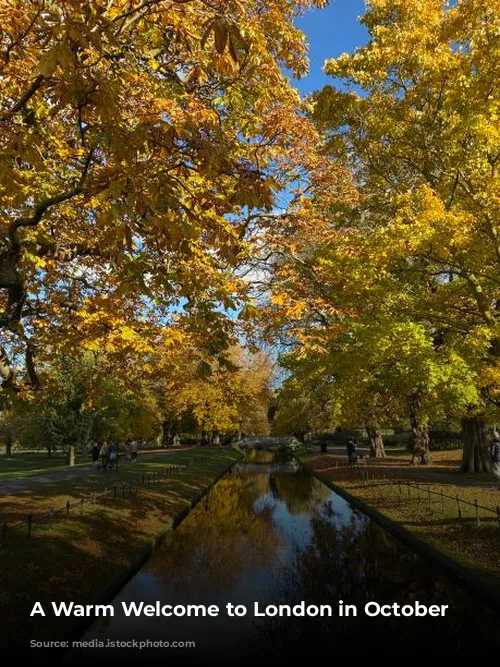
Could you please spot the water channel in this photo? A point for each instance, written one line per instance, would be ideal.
(271, 533)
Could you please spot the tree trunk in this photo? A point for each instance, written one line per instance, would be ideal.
(49, 451)
(8, 445)
(71, 456)
(376, 441)
(420, 444)
(475, 457)
(420, 440)
(165, 435)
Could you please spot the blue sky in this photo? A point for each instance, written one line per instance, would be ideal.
(331, 31)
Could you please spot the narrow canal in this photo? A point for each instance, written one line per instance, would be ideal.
(271, 533)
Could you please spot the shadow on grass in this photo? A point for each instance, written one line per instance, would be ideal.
(82, 554)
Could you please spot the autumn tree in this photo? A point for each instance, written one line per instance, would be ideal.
(412, 253)
(227, 394)
(137, 141)
(84, 398)
(419, 127)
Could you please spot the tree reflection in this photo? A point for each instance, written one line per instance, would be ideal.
(357, 562)
(222, 538)
(301, 492)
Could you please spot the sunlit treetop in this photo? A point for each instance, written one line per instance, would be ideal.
(137, 139)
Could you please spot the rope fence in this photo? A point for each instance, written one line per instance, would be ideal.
(117, 492)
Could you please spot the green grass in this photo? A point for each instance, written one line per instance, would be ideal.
(396, 448)
(22, 465)
(76, 558)
(55, 494)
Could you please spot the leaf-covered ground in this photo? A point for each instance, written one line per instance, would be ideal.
(431, 517)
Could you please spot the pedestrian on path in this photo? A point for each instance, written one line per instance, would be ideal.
(104, 454)
(95, 454)
(133, 450)
(126, 449)
(351, 452)
(113, 456)
(495, 456)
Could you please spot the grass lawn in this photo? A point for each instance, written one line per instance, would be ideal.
(76, 558)
(21, 465)
(474, 546)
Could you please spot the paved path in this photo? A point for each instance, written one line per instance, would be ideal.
(17, 485)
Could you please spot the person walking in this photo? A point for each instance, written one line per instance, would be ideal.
(351, 451)
(95, 454)
(134, 447)
(126, 449)
(104, 454)
(113, 456)
(495, 456)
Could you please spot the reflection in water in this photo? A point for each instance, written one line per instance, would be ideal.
(277, 535)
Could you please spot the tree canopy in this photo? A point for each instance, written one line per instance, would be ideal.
(137, 140)
(145, 149)
(390, 296)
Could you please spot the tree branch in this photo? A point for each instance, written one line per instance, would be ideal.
(23, 101)
(38, 212)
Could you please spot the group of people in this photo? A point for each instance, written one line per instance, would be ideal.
(107, 454)
(208, 438)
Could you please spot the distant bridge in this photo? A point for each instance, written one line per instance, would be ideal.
(269, 442)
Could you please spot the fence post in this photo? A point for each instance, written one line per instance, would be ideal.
(30, 522)
(477, 512)
(458, 507)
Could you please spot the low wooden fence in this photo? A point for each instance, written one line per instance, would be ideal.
(408, 490)
(115, 492)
